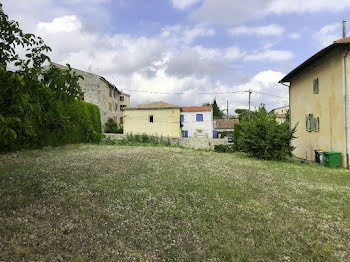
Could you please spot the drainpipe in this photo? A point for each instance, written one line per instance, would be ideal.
(346, 109)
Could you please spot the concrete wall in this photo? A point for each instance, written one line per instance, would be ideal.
(198, 129)
(202, 143)
(166, 122)
(328, 105)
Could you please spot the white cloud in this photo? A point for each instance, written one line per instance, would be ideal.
(178, 34)
(328, 34)
(270, 55)
(183, 4)
(234, 12)
(61, 24)
(269, 30)
(294, 35)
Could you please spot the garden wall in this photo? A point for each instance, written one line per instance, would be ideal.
(202, 143)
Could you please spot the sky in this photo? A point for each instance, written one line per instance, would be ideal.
(186, 52)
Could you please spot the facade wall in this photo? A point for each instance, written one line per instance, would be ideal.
(97, 91)
(166, 122)
(328, 105)
(202, 129)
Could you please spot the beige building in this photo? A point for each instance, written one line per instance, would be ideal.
(318, 101)
(97, 90)
(281, 113)
(159, 118)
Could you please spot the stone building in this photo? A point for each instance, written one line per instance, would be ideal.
(97, 90)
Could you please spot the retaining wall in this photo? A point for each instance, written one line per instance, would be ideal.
(202, 143)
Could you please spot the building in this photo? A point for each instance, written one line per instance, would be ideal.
(197, 121)
(224, 125)
(97, 90)
(159, 118)
(281, 113)
(319, 102)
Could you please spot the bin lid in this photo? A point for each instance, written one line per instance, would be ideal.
(319, 150)
(332, 153)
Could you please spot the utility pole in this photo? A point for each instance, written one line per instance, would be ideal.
(250, 92)
(227, 110)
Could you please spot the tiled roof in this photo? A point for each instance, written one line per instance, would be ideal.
(196, 108)
(155, 105)
(343, 40)
(297, 70)
(225, 123)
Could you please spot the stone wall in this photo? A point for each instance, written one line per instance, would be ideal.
(197, 143)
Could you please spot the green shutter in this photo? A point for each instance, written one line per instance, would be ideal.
(314, 86)
(317, 86)
(318, 124)
(306, 122)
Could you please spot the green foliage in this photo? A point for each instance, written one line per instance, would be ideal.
(39, 109)
(242, 113)
(224, 148)
(236, 136)
(112, 127)
(261, 136)
(140, 139)
(217, 113)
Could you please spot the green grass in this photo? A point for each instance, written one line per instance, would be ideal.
(108, 203)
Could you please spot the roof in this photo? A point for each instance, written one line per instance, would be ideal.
(155, 105)
(196, 108)
(341, 42)
(82, 71)
(225, 123)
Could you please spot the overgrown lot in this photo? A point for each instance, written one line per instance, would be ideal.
(94, 203)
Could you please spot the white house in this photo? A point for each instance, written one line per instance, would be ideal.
(197, 121)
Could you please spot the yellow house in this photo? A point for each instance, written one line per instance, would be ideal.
(319, 102)
(281, 113)
(159, 118)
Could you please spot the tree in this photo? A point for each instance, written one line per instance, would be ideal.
(241, 113)
(261, 136)
(217, 113)
(34, 110)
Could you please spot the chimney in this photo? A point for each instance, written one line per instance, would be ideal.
(344, 27)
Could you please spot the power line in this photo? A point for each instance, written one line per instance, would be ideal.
(200, 93)
(182, 93)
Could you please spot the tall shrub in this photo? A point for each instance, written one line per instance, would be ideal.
(261, 136)
(39, 108)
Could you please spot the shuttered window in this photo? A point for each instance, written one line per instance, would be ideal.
(312, 123)
(316, 86)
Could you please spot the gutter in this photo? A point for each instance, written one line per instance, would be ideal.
(346, 109)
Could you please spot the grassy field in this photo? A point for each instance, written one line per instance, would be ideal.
(110, 203)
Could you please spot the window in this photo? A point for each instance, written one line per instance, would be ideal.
(199, 117)
(110, 106)
(316, 86)
(115, 107)
(312, 124)
(122, 107)
(110, 92)
(114, 93)
(121, 120)
(151, 119)
(121, 98)
(184, 133)
(182, 118)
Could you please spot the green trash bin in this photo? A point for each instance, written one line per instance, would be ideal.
(332, 159)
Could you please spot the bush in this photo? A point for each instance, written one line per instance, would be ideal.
(263, 137)
(131, 139)
(39, 108)
(236, 136)
(112, 127)
(224, 148)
